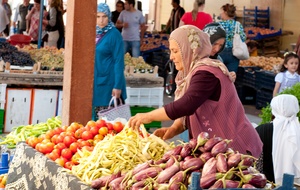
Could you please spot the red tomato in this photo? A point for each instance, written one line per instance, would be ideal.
(58, 130)
(43, 148)
(50, 133)
(86, 135)
(85, 143)
(60, 161)
(118, 126)
(78, 133)
(103, 131)
(32, 141)
(69, 165)
(110, 126)
(101, 123)
(74, 146)
(60, 146)
(75, 158)
(94, 130)
(91, 123)
(57, 151)
(88, 148)
(53, 156)
(98, 137)
(64, 128)
(54, 138)
(70, 133)
(66, 153)
(69, 140)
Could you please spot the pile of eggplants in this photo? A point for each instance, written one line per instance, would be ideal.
(220, 167)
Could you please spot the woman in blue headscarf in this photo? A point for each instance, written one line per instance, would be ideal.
(109, 79)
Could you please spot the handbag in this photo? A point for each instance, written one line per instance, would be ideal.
(239, 48)
(118, 111)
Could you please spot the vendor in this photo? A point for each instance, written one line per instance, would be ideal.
(205, 97)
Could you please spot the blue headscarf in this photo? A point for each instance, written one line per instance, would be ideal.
(104, 8)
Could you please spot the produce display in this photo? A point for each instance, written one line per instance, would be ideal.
(252, 32)
(154, 41)
(119, 154)
(266, 63)
(221, 167)
(50, 57)
(23, 132)
(11, 55)
(3, 179)
(138, 63)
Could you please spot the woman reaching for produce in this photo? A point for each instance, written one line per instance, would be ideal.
(205, 97)
(109, 79)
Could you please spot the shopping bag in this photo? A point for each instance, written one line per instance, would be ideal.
(118, 111)
(239, 48)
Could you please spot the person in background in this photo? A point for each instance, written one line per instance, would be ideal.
(176, 14)
(281, 138)
(34, 17)
(4, 21)
(217, 36)
(228, 23)
(109, 79)
(205, 96)
(19, 20)
(288, 75)
(297, 46)
(115, 14)
(9, 13)
(133, 23)
(252, 47)
(197, 17)
(54, 23)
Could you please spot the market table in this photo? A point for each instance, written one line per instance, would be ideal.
(30, 170)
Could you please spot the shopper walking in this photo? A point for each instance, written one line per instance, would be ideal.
(176, 14)
(54, 24)
(4, 21)
(288, 75)
(197, 17)
(133, 23)
(115, 14)
(109, 79)
(9, 13)
(228, 23)
(205, 96)
(33, 17)
(19, 21)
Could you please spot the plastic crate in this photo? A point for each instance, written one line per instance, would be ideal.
(265, 80)
(247, 76)
(145, 96)
(246, 94)
(143, 109)
(263, 97)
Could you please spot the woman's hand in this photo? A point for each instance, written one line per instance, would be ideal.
(165, 133)
(138, 119)
(116, 93)
(232, 75)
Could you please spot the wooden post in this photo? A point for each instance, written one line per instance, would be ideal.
(79, 61)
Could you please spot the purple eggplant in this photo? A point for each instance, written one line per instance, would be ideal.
(185, 151)
(208, 180)
(141, 167)
(149, 172)
(167, 173)
(171, 161)
(234, 159)
(231, 184)
(221, 163)
(202, 138)
(258, 180)
(211, 143)
(248, 186)
(138, 185)
(193, 143)
(206, 156)
(217, 185)
(115, 184)
(178, 179)
(173, 152)
(210, 166)
(188, 157)
(220, 147)
(160, 161)
(246, 162)
(193, 164)
(100, 182)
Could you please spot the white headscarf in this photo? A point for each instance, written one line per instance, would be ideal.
(286, 136)
(3, 18)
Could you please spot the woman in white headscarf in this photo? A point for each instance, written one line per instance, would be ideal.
(286, 136)
(4, 21)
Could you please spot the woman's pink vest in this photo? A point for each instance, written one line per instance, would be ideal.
(226, 118)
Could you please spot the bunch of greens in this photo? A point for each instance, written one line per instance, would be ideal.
(266, 112)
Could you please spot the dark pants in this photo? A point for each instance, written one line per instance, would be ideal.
(231, 62)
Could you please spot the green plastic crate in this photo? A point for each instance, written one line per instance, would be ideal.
(1, 117)
(141, 109)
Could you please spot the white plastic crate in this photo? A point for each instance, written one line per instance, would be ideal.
(145, 96)
(2, 95)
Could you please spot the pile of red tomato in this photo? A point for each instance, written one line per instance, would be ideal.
(61, 144)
